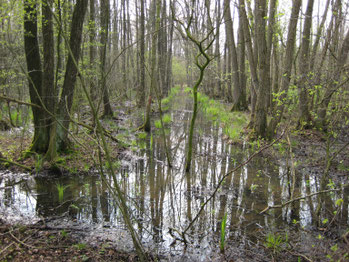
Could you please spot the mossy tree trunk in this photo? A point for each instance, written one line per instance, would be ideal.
(50, 136)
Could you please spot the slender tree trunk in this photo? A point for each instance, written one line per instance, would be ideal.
(251, 59)
(304, 114)
(153, 76)
(162, 51)
(169, 54)
(287, 67)
(124, 55)
(270, 36)
(105, 18)
(141, 89)
(341, 60)
(241, 59)
(318, 37)
(233, 55)
(92, 51)
(218, 91)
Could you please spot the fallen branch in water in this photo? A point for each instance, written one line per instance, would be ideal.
(297, 199)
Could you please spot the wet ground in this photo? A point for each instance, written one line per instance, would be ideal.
(163, 201)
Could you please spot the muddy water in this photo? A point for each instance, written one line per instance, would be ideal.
(163, 200)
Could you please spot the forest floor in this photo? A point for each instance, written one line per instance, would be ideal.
(42, 243)
(310, 150)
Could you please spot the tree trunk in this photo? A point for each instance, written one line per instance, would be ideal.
(153, 76)
(169, 55)
(236, 93)
(270, 36)
(341, 60)
(92, 51)
(105, 11)
(162, 51)
(218, 89)
(304, 119)
(141, 89)
(260, 121)
(287, 67)
(241, 59)
(251, 59)
(50, 95)
(32, 53)
(66, 100)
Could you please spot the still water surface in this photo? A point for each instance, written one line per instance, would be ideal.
(163, 199)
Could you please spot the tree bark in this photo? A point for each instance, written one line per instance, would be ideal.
(270, 36)
(218, 86)
(141, 89)
(236, 93)
(32, 53)
(92, 51)
(241, 50)
(304, 119)
(153, 76)
(251, 59)
(260, 122)
(66, 99)
(105, 11)
(50, 94)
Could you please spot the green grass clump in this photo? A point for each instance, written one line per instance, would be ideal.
(158, 124)
(61, 188)
(165, 102)
(166, 118)
(232, 122)
(223, 233)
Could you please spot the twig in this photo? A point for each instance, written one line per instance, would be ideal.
(297, 199)
(21, 242)
(293, 169)
(345, 238)
(3, 250)
(91, 128)
(300, 255)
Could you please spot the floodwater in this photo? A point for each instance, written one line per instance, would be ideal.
(165, 200)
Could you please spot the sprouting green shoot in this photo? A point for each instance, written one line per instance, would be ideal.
(223, 228)
(60, 189)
